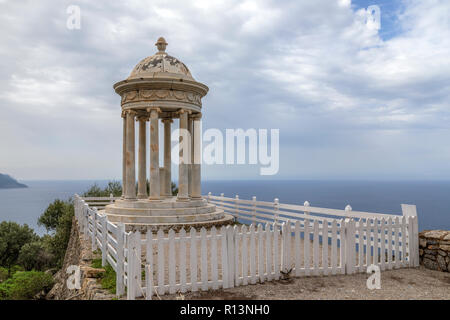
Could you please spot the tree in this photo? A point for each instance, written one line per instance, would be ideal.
(35, 256)
(113, 187)
(49, 219)
(57, 219)
(12, 237)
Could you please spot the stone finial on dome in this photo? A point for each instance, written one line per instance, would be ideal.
(161, 44)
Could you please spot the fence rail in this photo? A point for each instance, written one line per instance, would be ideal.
(282, 240)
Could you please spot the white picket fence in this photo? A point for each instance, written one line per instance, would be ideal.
(281, 241)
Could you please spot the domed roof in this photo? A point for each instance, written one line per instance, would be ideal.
(161, 65)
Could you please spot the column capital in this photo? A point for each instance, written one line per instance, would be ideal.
(181, 111)
(142, 117)
(131, 112)
(154, 108)
(196, 116)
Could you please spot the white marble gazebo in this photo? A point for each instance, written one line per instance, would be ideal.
(161, 87)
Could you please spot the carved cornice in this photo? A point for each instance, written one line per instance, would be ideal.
(161, 95)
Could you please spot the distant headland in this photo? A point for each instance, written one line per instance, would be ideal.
(6, 182)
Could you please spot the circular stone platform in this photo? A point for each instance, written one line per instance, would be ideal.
(165, 214)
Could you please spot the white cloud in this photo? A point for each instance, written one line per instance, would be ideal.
(311, 68)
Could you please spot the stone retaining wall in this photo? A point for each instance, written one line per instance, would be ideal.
(79, 253)
(434, 249)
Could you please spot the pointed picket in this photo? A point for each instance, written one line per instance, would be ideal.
(214, 259)
(307, 247)
(193, 259)
(161, 269)
(149, 263)
(368, 243)
(389, 230)
(261, 253)
(361, 245)
(342, 245)
(204, 259)
(269, 257)
(383, 245)
(224, 256)
(333, 247)
(236, 255)
(183, 280)
(325, 247)
(316, 248)
(375, 242)
(403, 227)
(244, 255)
(276, 251)
(397, 243)
(172, 262)
(231, 253)
(252, 255)
(297, 248)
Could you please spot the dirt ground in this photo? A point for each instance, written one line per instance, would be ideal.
(407, 283)
(401, 284)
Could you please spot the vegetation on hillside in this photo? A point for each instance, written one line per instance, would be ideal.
(27, 261)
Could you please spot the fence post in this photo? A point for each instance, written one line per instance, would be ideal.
(254, 210)
(120, 288)
(410, 210)
(236, 209)
(86, 220)
(306, 204)
(209, 197)
(94, 229)
(111, 198)
(104, 240)
(349, 246)
(276, 207)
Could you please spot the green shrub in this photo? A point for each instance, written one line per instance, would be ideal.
(25, 285)
(108, 279)
(35, 256)
(12, 237)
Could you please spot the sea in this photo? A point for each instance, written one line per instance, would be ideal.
(432, 198)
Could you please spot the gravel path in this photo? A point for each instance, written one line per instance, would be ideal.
(409, 283)
(401, 284)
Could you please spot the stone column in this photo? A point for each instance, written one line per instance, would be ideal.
(154, 155)
(184, 151)
(196, 155)
(124, 155)
(142, 165)
(130, 158)
(167, 157)
(189, 165)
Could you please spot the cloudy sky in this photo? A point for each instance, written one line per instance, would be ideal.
(350, 101)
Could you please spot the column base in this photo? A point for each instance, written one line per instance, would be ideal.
(142, 196)
(183, 199)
